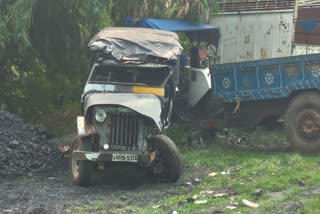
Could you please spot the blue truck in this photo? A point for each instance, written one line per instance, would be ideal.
(244, 93)
(251, 91)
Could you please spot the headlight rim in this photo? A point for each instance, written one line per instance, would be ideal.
(97, 111)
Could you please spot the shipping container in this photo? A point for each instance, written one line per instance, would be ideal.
(254, 30)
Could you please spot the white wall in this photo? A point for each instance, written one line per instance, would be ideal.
(254, 36)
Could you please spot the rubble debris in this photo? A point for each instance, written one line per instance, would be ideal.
(188, 184)
(196, 139)
(65, 151)
(219, 195)
(196, 181)
(212, 174)
(24, 148)
(231, 207)
(257, 192)
(301, 183)
(250, 204)
(195, 197)
(225, 172)
(200, 201)
(190, 200)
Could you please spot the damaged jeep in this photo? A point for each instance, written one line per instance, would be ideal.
(127, 104)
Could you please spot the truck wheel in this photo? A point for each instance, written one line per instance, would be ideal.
(168, 164)
(81, 170)
(302, 122)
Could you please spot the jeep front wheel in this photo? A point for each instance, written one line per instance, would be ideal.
(167, 166)
(81, 170)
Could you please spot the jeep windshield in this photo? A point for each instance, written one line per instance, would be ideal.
(147, 74)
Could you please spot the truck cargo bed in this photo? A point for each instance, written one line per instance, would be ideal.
(265, 79)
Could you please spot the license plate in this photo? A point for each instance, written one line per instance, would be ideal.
(124, 158)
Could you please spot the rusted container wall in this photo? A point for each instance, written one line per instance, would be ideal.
(307, 30)
(254, 35)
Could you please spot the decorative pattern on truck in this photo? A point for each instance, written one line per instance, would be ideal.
(315, 70)
(226, 83)
(269, 78)
(292, 70)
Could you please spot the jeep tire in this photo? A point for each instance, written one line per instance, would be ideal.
(168, 156)
(81, 170)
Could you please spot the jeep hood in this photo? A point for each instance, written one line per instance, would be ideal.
(145, 104)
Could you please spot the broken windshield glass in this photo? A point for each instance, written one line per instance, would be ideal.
(151, 76)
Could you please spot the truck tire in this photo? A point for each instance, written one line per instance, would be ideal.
(168, 157)
(302, 123)
(81, 170)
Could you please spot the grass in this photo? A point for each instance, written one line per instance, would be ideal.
(313, 206)
(249, 170)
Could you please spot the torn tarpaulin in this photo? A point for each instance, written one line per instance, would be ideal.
(136, 44)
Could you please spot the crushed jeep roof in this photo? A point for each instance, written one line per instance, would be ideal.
(136, 44)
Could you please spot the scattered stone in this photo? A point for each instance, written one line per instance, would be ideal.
(188, 183)
(225, 172)
(212, 174)
(13, 144)
(156, 206)
(301, 183)
(257, 192)
(219, 195)
(195, 197)
(250, 204)
(196, 181)
(200, 201)
(30, 174)
(231, 207)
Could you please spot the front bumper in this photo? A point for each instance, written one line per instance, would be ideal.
(107, 156)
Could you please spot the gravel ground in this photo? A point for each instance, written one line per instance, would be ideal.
(54, 193)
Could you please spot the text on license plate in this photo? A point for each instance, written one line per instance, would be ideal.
(124, 157)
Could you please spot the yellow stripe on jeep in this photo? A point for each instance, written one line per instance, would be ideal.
(148, 90)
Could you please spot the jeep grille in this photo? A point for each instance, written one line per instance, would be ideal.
(127, 131)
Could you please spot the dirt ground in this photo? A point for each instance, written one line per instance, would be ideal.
(53, 192)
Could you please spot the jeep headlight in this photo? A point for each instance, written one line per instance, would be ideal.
(100, 115)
